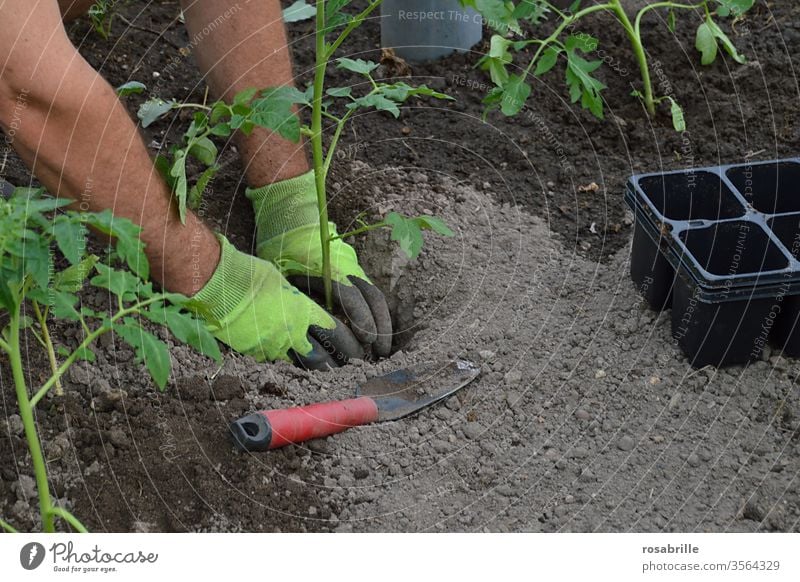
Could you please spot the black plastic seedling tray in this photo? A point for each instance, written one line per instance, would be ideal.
(720, 246)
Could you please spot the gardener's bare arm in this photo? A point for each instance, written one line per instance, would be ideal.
(239, 46)
(77, 138)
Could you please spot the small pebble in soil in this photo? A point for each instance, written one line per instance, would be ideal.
(626, 443)
(693, 460)
(513, 377)
(581, 414)
(599, 374)
(472, 430)
(15, 426)
(25, 488)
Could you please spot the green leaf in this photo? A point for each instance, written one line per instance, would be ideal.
(671, 20)
(241, 98)
(148, 349)
(334, 17)
(706, 43)
(678, 119)
(154, 109)
(130, 88)
(726, 43)
(435, 224)
(582, 86)
(72, 278)
(274, 110)
(120, 283)
(406, 233)
(38, 260)
(515, 93)
(85, 354)
(497, 58)
(735, 7)
(71, 238)
(359, 66)
(377, 101)
(299, 11)
(129, 246)
(582, 42)
(63, 305)
(340, 91)
(547, 60)
(186, 329)
(204, 150)
(181, 187)
(196, 192)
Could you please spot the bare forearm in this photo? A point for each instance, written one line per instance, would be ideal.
(239, 45)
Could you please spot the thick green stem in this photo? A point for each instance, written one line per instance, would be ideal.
(641, 56)
(48, 345)
(319, 155)
(26, 413)
(4, 525)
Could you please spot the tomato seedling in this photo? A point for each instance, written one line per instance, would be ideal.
(33, 292)
(512, 90)
(274, 109)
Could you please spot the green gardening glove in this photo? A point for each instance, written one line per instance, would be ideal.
(287, 220)
(258, 313)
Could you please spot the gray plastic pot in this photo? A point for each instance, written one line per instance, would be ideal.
(426, 30)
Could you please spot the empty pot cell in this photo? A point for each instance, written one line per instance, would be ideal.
(787, 229)
(719, 334)
(691, 196)
(769, 188)
(734, 248)
(651, 272)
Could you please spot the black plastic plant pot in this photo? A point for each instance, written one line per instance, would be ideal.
(719, 333)
(651, 272)
(721, 247)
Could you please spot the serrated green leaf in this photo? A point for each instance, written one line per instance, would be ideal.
(120, 283)
(147, 348)
(377, 101)
(129, 246)
(515, 93)
(359, 66)
(339, 91)
(274, 110)
(547, 60)
(154, 109)
(70, 235)
(62, 305)
(435, 224)
(735, 7)
(406, 233)
(85, 354)
(73, 277)
(188, 330)
(299, 11)
(241, 98)
(496, 60)
(130, 88)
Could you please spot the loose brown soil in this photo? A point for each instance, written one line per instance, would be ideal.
(586, 416)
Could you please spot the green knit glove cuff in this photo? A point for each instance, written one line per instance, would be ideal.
(284, 206)
(231, 283)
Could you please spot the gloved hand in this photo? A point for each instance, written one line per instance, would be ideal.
(287, 220)
(260, 314)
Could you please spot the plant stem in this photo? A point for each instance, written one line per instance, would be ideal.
(361, 230)
(26, 413)
(69, 518)
(639, 53)
(7, 527)
(48, 345)
(318, 154)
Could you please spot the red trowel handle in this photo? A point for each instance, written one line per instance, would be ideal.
(271, 429)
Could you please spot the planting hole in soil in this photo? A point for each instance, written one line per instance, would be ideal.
(771, 188)
(734, 248)
(691, 196)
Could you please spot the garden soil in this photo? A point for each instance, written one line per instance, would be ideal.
(586, 416)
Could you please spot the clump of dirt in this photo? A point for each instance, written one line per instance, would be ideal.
(586, 416)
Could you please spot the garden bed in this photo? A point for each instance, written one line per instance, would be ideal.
(586, 417)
